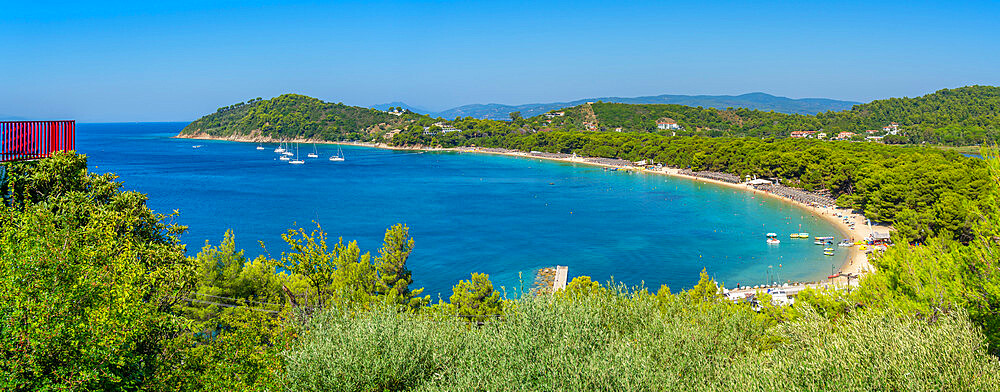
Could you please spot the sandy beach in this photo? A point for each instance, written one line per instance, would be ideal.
(857, 263)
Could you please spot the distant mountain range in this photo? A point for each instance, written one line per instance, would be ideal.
(758, 101)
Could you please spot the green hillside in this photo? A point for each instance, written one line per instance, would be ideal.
(962, 116)
(298, 116)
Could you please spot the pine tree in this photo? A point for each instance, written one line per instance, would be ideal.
(394, 278)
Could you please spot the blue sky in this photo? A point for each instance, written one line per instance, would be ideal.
(176, 60)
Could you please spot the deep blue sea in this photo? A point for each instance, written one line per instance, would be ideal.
(467, 212)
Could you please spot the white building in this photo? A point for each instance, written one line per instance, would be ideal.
(667, 123)
(891, 129)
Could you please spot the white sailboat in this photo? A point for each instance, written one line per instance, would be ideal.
(297, 161)
(280, 148)
(260, 146)
(339, 157)
(313, 154)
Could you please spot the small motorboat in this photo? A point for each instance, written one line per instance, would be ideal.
(772, 239)
(285, 158)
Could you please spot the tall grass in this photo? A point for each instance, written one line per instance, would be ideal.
(618, 341)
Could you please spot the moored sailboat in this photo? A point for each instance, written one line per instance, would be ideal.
(297, 161)
(339, 157)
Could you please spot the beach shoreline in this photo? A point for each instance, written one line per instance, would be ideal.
(856, 264)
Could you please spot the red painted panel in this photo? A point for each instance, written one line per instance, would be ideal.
(21, 140)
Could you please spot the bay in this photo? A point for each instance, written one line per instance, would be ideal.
(498, 215)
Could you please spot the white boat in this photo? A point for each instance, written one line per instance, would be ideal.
(772, 239)
(260, 147)
(284, 158)
(297, 161)
(313, 154)
(339, 157)
(280, 148)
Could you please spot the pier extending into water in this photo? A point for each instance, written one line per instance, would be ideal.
(559, 282)
(550, 279)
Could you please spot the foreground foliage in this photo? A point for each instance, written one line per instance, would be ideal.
(97, 294)
(636, 341)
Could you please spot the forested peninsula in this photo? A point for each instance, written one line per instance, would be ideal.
(961, 116)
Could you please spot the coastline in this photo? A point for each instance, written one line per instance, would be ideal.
(857, 263)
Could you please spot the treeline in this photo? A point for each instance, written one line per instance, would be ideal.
(298, 116)
(961, 116)
(97, 294)
(922, 192)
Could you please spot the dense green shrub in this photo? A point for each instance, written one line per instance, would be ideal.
(637, 341)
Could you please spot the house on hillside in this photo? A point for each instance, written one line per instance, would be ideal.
(891, 129)
(667, 123)
(844, 136)
(555, 114)
(803, 134)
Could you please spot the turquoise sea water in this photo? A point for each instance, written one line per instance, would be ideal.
(467, 212)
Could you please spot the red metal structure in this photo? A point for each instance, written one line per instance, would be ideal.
(27, 140)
